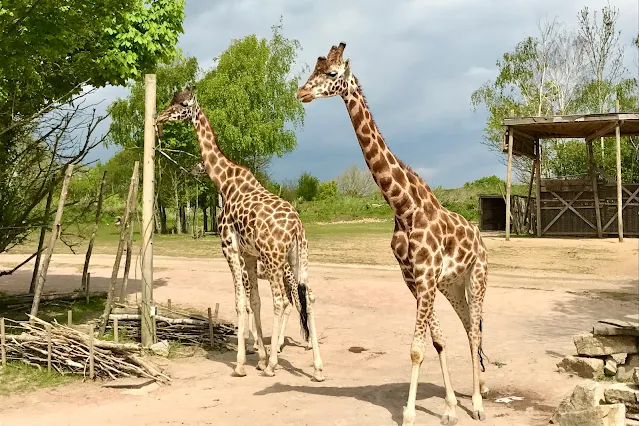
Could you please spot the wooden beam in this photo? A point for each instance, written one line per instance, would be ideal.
(563, 210)
(604, 130)
(530, 187)
(508, 173)
(561, 119)
(633, 195)
(595, 187)
(573, 210)
(619, 191)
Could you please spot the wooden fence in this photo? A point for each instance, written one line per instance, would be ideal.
(568, 208)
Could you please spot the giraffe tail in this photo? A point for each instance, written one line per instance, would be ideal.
(299, 291)
(480, 351)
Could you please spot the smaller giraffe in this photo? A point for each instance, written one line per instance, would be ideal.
(254, 225)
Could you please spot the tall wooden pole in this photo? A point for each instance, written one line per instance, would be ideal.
(147, 210)
(55, 234)
(508, 173)
(619, 187)
(595, 189)
(538, 186)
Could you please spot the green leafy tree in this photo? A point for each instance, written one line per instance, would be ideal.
(307, 187)
(327, 190)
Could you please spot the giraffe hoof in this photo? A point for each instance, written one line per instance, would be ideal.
(268, 372)
(484, 391)
(479, 415)
(239, 372)
(261, 365)
(448, 420)
(409, 418)
(318, 377)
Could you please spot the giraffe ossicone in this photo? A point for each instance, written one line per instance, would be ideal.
(436, 249)
(261, 237)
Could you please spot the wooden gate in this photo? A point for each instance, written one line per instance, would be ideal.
(568, 208)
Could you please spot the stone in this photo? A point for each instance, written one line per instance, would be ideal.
(129, 383)
(602, 415)
(627, 369)
(631, 422)
(160, 348)
(610, 366)
(587, 394)
(633, 416)
(588, 368)
(622, 393)
(590, 345)
(635, 376)
(619, 358)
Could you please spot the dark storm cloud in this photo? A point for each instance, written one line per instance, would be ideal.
(418, 62)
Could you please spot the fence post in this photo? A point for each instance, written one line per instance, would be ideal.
(91, 352)
(3, 344)
(48, 327)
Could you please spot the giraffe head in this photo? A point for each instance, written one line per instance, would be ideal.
(181, 107)
(331, 77)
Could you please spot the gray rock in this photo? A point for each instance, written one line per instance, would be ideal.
(588, 368)
(590, 345)
(619, 358)
(587, 394)
(627, 369)
(602, 415)
(635, 376)
(160, 348)
(622, 393)
(610, 366)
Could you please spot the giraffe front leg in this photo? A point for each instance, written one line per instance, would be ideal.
(318, 376)
(450, 412)
(255, 304)
(236, 264)
(475, 303)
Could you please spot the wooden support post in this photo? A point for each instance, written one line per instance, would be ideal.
(98, 215)
(49, 348)
(527, 222)
(91, 352)
(115, 330)
(538, 187)
(619, 187)
(118, 254)
(55, 234)
(595, 186)
(217, 311)
(148, 190)
(168, 304)
(88, 294)
(3, 344)
(69, 317)
(210, 327)
(508, 177)
(43, 231)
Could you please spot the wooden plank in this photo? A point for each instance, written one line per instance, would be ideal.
(632, 196)
(619, 191)
(574, 210)
(621, 323)
(561, 212)
(508, 178)
(577, 118)
(602, 131)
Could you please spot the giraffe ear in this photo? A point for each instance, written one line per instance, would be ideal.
(347, 68)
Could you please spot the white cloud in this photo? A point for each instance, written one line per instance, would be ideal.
(482, 72)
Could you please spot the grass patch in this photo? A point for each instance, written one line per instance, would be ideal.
(19, 378)
(57, 310)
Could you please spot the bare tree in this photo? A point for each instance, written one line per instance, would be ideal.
(356, 181)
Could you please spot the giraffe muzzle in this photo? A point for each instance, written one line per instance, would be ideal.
(305, 95)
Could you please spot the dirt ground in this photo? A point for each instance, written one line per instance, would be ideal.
(541, 292)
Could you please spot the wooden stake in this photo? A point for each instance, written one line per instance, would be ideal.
(3, 344)
(115, 330)
(129, 243)
(595, 186)
(148, 190)
(168, 304)
(217, 310)
(55, 234)
(69, 318)
(98, 215)
(210, 327)
(619, 185)
(48, 327)
(530, 187)
(538, 187)
(91, 352)
(118, 255)
(43, 231)
(508, 172)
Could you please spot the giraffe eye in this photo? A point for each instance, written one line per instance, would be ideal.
(332, 73)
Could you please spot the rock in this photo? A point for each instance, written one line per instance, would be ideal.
(635, 376)
(602, 415)
(619, 358)
(633, 416)
(129, 383)
(160, 348)
(590, 345)
(610, 366)
(627, 369)
(631, 422)
(622, 393)
(587, 394)
(588, 368)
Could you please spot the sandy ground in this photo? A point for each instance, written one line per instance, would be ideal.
(541, 293)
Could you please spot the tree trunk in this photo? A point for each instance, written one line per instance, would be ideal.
(214, 212)
(98, 215)
(55, 234)
(43, 231)
(204, 211)
(178, 209)
(163, 219)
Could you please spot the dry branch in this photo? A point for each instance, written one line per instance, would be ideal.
(71, 351)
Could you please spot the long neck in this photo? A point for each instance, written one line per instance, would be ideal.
(400, 186)
(220, 169)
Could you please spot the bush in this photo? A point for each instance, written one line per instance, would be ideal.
(327, 190)
(307, 187)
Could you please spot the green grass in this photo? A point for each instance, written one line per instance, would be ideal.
(57, 310)
(19, 378)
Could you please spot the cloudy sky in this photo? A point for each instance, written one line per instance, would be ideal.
(418, 62)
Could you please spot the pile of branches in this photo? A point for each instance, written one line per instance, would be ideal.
(71, 353)
(183, 330)
(22, 302)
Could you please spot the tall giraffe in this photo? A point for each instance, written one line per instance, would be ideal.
(435, 248)
(255, 226)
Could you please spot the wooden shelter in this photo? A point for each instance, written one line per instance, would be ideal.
(522, 136)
